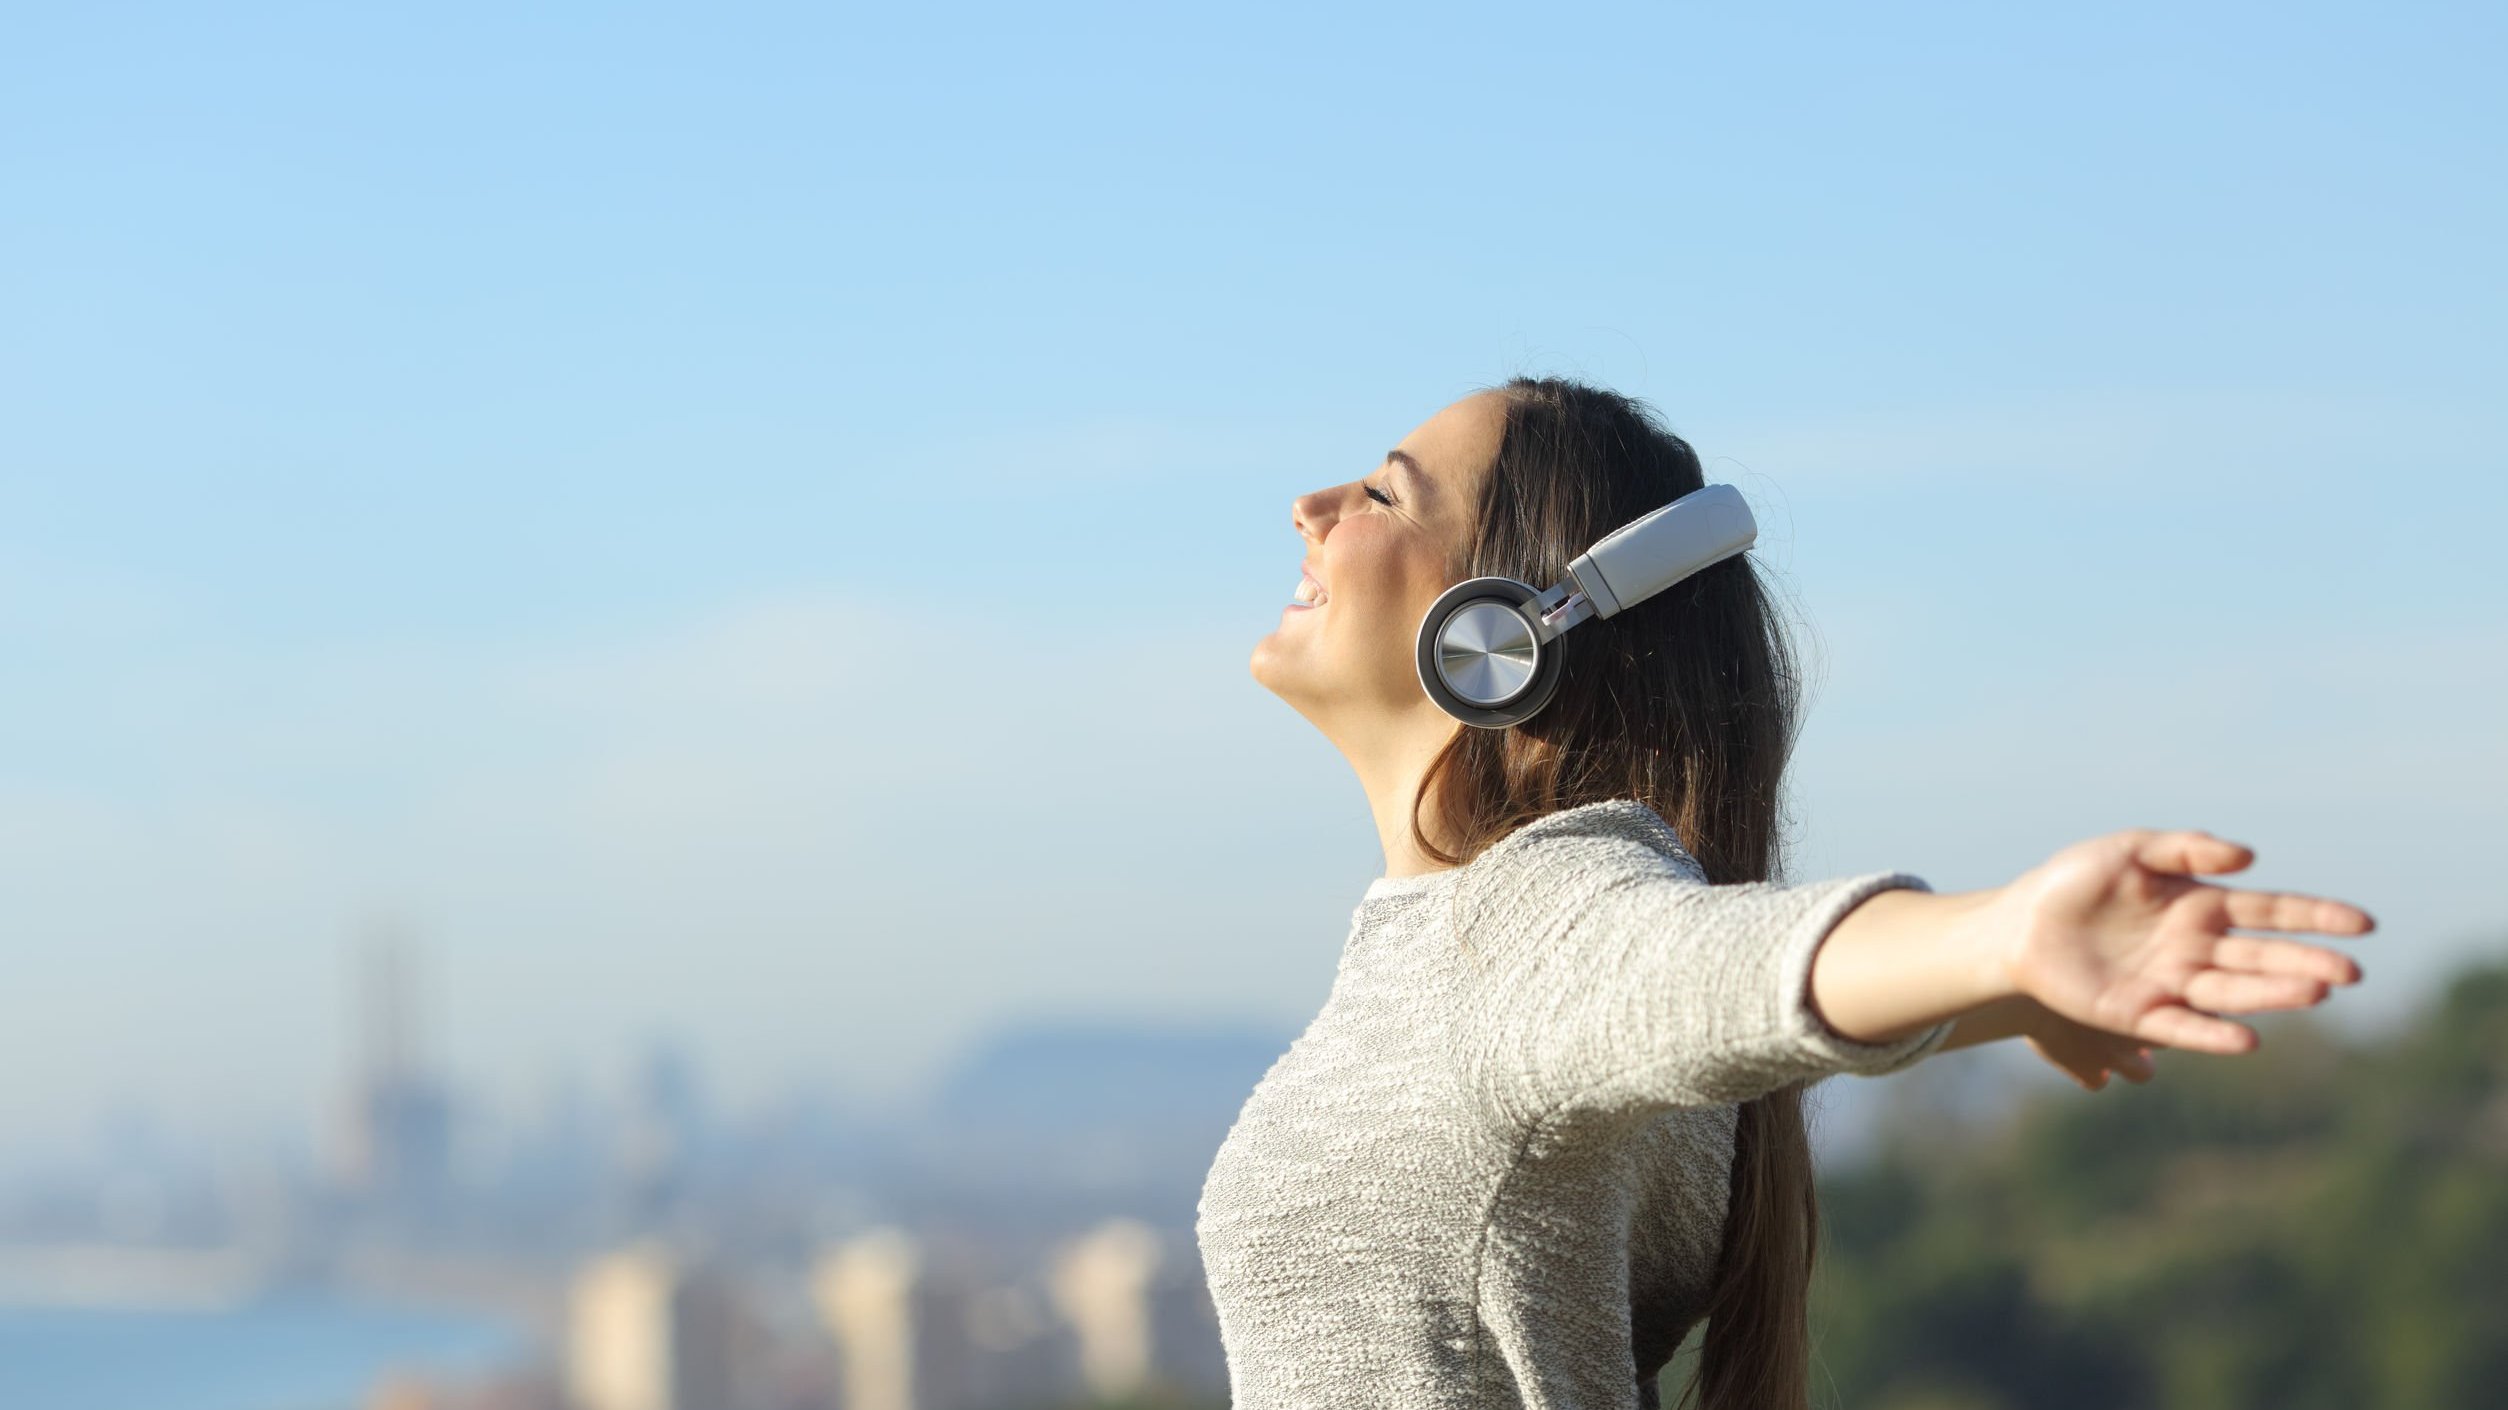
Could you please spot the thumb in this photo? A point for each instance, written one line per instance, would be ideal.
(2189, 851)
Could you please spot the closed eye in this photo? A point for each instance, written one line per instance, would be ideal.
(1375, 494)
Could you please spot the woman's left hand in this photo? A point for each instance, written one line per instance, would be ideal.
(2117, 935)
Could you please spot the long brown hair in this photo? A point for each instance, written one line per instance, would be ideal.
(1688, 703)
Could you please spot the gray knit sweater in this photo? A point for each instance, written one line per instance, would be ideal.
(1493, 1170)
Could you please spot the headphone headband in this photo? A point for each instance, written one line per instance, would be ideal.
(1652, 552)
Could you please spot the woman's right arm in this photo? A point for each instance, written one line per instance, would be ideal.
(2089, 1056)
(1990, 1023)
(1614, 980)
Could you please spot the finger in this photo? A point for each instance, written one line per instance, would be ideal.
(2232, 991)
(2289, 910)
(2190, 850)
(2256, 955)
(2176, 1026)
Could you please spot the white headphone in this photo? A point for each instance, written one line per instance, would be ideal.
(1486, 652)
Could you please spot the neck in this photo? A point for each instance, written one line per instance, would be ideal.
(1390, 764)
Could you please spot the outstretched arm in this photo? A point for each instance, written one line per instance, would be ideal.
(2114, 933)
(1609, 979)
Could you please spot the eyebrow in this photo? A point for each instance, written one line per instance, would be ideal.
(1403, 459)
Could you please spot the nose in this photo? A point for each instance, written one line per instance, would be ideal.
(1313, 514)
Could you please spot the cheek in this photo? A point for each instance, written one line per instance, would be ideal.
(1386, 592)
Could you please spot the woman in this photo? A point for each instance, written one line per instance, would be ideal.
(1551, 1114)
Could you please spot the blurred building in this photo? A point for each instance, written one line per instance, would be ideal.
(520, 1389)
(395, 1135)
(866, 1291)
(926, 1323)
(664, 1128)
(923, 1324)
(650, 1330)
(1101, 1285)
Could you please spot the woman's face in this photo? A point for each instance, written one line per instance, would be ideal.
(1379, 550)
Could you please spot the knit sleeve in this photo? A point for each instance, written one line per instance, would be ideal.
(1613, 979)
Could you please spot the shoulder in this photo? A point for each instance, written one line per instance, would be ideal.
(1553, 863)
(1613, 835)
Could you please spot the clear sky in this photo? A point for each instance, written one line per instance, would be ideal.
(748, 523)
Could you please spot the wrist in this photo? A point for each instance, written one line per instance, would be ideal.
(1983, 933)
(1904, 959)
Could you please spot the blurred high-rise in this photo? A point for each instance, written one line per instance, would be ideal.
(394, 1140)
(664, 1127)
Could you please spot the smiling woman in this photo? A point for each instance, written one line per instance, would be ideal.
(1550, 1117)
(1379, 549)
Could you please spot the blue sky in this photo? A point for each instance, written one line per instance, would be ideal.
(748, 523)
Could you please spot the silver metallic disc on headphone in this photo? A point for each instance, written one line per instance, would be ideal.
(1478, 658)
(1487, 653)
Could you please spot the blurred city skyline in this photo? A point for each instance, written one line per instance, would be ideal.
(749, 527)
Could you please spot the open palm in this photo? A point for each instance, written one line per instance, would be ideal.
(2116, 933)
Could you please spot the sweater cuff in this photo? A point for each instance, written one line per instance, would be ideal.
(1803, 1024)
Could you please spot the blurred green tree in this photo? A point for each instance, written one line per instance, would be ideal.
(2316, 1224)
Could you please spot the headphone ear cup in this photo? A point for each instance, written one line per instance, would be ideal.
(1480, 656)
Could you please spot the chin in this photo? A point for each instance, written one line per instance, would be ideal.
(1263, 663)
(1275, 669)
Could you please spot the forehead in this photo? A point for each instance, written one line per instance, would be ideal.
(1455, 446)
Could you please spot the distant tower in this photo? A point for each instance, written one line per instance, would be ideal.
(397, 1136)
(665, 1126)
(1101, 1284)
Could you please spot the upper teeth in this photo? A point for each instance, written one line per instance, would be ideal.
(1308, 592)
